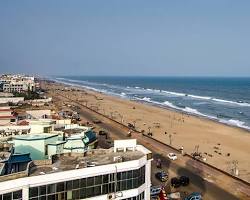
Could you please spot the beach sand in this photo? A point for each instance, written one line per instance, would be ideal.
(214, 140)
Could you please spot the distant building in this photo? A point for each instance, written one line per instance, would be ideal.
(121, 173)
(17, 83)
(6, 116)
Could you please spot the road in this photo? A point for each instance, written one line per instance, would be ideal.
(211, 183)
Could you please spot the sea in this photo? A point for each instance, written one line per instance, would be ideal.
(226, 100)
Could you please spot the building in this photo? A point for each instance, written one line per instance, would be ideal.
(6, 116)
(17, 83)
(122, 172)
(44, 145)
(13, 100)
(11, 163)
(41, 125)
(35, 144)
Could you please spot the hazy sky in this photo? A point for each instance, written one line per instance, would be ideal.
(128, 37)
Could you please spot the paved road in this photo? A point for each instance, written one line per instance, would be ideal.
(200, 181)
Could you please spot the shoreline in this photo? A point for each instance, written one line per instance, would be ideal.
(211, 137)
(213, 119)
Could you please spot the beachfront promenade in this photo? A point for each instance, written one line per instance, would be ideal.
(212, 183)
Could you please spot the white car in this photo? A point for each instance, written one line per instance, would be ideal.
(172, 156)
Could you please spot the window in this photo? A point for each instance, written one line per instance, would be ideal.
(69, 185)
(98, 180)
(7, 196)
(42, 190)
(33, 192)
(51, 188)
(76, 183)
(83, 182)
(90, 181)
(60, 187)
(89, 187)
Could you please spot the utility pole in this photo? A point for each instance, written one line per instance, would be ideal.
(170, 139)
(235, 168)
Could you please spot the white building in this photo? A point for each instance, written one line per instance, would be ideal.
(122, 172)
(17, 83)
(14, 100)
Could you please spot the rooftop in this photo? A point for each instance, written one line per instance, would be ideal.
(97, 157)
(41, 136)
(7, 117)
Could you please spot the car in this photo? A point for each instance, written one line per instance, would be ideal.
(172, 156)
(162, 176)
(194, 196)
(184, 180)
(175, 182)
(155, 191)
(103, 132)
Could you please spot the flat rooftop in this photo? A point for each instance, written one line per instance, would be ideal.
(96, 157)
(41, 136)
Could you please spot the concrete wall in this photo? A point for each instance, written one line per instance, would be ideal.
(36, 148)
(11, 99)
(38, 113)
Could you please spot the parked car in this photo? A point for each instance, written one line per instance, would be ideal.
(103, 132)
(184, 180)
(155, 191)
(162, 176)
(172, 156)
(175, 182)
(194, 196)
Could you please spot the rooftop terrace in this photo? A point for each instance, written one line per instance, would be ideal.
(97, 157)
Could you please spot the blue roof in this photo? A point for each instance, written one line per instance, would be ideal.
(19, 158)
(91, 135)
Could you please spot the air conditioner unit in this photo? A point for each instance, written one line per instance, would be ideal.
(110, 196)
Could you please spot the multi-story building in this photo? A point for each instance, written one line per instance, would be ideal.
(6, 116)
(17, 83)
(121, 172)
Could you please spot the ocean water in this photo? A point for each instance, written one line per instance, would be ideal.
(226, 100)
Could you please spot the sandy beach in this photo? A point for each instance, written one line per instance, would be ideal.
(220, 145)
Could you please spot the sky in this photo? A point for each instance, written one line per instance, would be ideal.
(125, 38)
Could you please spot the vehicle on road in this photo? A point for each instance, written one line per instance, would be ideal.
(174, 195)
(172, 156)
(175, 182)
(162, 176)
(155, 191)
(184, 180)
(194, 196)
(103, 132)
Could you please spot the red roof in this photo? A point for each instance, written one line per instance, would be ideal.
(55, 117)
(7, 117)
(5, 110)
(23, 123)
